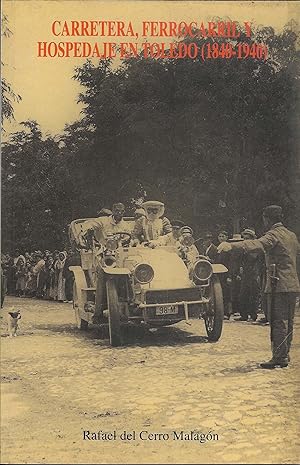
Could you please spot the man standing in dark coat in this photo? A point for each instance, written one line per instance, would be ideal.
(210, 250)
(282, 285)
(252, 268)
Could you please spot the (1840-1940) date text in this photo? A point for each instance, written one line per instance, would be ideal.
(240, 51)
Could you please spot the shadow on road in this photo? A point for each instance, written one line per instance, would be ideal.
(132, 335)
(237, 370)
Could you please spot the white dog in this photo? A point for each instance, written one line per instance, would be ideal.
(13, 318)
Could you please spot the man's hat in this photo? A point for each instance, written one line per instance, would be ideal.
(225, 233)
(118, 206)
(104, 212)
(177, 224)
(140, 211)
(236, 238)
(186, 229)
(250, 232)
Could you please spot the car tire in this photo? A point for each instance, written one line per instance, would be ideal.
(113, 313)
(215, 316)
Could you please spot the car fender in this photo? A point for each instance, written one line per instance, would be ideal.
(109, 270)
(219, 268)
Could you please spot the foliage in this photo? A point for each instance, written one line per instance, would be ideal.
(37, 190)
(8, 96)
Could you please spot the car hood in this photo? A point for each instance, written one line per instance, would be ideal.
(170, 271)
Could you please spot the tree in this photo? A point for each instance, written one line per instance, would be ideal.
(7, 93)
(36, 191)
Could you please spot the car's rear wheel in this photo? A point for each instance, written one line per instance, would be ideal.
(80, 323)
(113, 313)
(215, 311)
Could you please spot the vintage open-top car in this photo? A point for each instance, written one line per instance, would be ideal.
(120, 284)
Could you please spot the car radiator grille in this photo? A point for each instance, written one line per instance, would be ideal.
(173, 295)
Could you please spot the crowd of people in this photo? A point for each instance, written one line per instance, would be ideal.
(42, 275)
(242, 285)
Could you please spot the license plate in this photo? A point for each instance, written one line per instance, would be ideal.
(167, 310)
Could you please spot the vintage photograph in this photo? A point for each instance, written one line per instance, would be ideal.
(150, 257)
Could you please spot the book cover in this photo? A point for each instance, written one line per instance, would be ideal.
(184, 109)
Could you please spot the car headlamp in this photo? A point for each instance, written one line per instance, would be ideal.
(111, 244)
(202, 270)
(143, 273)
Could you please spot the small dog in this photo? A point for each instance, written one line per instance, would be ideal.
(13, 318)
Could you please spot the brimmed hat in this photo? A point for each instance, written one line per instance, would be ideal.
(140, 211)
(236, 238)
(152, 203)
(186, 229)
(104, 212)
(118, 206)
(177, 224)
(250, 232)
(225, 233)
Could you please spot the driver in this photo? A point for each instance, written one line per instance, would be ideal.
(105, 226)
(153, 225)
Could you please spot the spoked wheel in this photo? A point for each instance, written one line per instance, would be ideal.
(80, 323)
(215, 311)
(113, 313)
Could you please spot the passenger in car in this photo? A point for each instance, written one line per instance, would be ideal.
(153, 225)
(180, 237)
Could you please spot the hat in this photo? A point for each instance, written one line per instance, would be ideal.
(186, 229)
(236, 238)
(273, 212)
(208, 235)
(225, 233)
(118, 206)
(177, 224)
(250, 232)
(140, 211)
(104, 212)
(154, 204)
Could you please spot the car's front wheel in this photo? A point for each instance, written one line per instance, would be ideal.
(215, 311)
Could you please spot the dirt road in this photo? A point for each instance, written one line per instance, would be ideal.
(59, 386)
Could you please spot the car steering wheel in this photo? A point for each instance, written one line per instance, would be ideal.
(124, 240)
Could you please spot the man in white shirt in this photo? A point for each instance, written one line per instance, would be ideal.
(106, 226)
